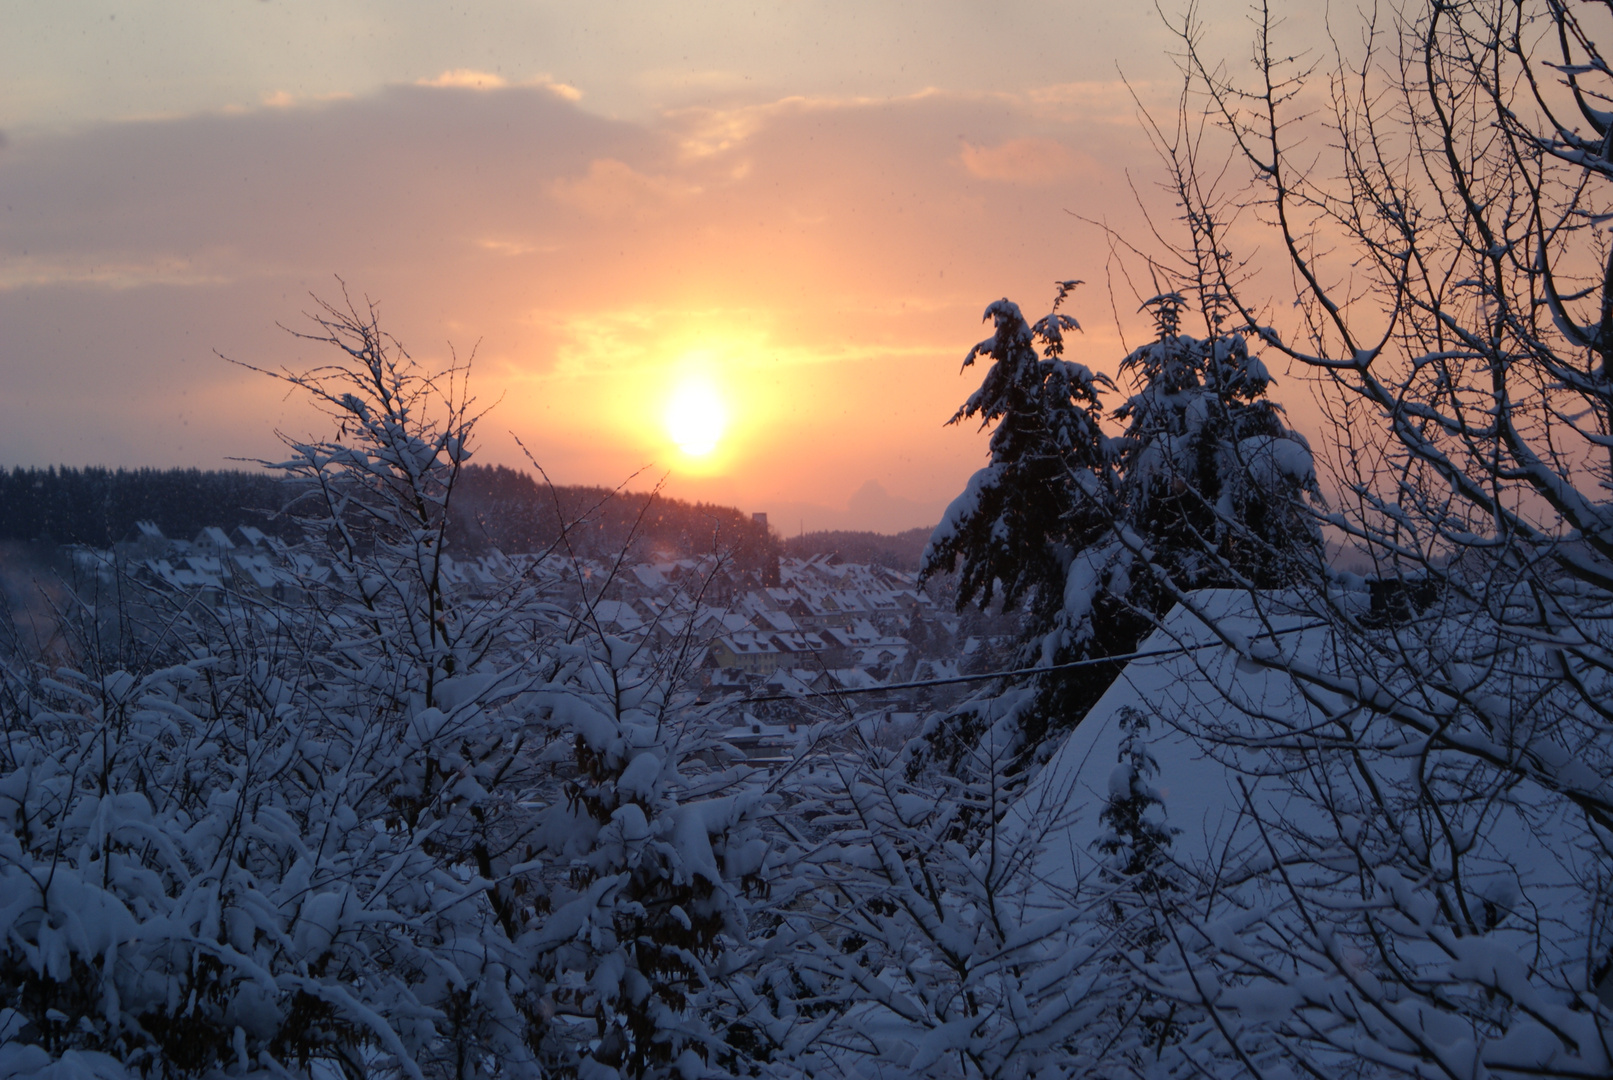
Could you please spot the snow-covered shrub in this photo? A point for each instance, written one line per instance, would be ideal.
(200, 874)
(915, 937)
(654, 846)
(382, 827)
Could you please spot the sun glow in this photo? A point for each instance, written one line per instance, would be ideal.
(696, 417)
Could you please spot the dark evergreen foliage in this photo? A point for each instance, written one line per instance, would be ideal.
(510, 510)
(1018, 522)
(898, 551)
(1137, 838)
(1095, 535)
(494, 507)
(99, 506)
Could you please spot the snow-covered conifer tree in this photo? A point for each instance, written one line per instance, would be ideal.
(1019, 518)
(1207, 486)
(1215, 481)
(1143, 888)
(1137, 838)
(1047, 492)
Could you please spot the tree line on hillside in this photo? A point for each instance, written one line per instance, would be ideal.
(493, 506)
(510, 510)
(898, 551)
(99, 506)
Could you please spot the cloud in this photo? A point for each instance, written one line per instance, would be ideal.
(511, 248)
(466, 79)
(613, 188)
(704, 131)
(564, 91)
(280, 99)
(472, 79)
(829, 256)
(1032, 161)
(111, 273)
(1108, 101)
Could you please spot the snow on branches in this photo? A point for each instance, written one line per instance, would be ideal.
(376, 824)
(1047, 462)
(1206, 486)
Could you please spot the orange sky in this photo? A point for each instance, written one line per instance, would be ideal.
(815, 251)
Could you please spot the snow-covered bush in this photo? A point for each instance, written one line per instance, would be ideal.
(654, 846)
(200, 874)
(381, 828)
(912, 933)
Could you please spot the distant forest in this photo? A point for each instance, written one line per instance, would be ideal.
(100, 506)
(494, 507)
(901, 551)
(497, 507)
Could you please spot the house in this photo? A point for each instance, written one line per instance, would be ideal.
(775, 622)
(257, 570)
(213, 540)
(748, 651)
(249, 536)
(801, 649)
(616, 617)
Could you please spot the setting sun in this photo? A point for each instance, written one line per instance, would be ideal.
(695, 418)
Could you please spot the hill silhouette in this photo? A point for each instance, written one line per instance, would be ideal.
(899, 551)
(493, 506)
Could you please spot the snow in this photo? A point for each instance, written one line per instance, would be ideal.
(1184, 685)
(1272, 459)
(1518, 851)
(961, 510)
(638, 780)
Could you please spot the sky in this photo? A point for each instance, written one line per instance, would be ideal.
(738, 247)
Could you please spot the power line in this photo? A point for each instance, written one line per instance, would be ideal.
(1092, 661)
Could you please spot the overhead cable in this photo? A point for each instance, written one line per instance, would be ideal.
(1092, 661)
